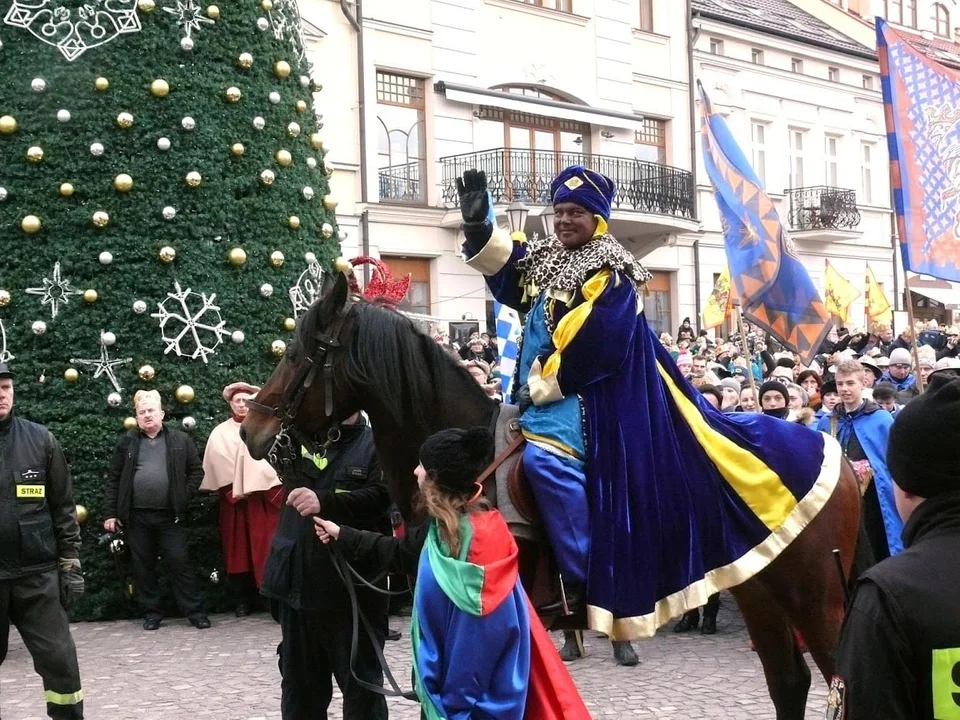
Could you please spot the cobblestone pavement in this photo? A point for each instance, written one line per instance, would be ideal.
(230, 673)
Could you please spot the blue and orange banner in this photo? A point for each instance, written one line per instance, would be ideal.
(773, 286)
(921, 99)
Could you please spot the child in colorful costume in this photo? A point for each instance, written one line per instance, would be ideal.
(468, 587)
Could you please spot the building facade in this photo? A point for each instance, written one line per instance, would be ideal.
(519, 89)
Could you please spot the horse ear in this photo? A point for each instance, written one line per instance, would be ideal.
(334, 297)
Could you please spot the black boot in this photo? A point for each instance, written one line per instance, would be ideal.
(688, 622)
(571, 648)
(710, 611)
(624, 653)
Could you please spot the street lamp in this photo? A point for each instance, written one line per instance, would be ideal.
(547, 217)
(517, 215)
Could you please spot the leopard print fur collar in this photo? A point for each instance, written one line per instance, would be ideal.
(548, 265)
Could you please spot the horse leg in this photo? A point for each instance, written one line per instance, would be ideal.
(786, 672)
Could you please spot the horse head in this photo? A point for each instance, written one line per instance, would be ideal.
(303, 397)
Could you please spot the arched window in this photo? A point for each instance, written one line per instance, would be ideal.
(901, 12)
(941, 20)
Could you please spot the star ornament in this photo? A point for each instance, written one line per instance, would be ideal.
(189, 16)
(56, 291)
(104, 365)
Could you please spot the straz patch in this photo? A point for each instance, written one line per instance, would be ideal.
(946, 684)
(835, 699)
(31, 492)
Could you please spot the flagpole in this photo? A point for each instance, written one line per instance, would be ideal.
(746, 352)
(913, 331)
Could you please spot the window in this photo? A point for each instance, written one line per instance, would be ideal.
(400, 141)
(417, 299)
(833, 74)
(796, 157)
(758, 146)
(796, 65)
(656, 303)
(716, 46)
(561, 5)
(867, 81)
(650, 143)
(867, 154)
(831, 169)
(756, 56)
(646, 15)
(902, 12)
(941, 20)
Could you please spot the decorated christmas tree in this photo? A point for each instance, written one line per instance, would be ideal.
(164, 216)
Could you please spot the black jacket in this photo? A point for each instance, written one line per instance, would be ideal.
(38, 516)
(183, 468)
(299, 571)
(903, 628)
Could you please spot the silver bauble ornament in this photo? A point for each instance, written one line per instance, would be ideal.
(186, 43)
(259, 123)
(3, 194)
(139, 307)
(307, 193)
(163, 144)
(96, 149)
(188, 123)
(189, 422)
(237, 336)
(63, 116)
(38, 84)
(39, 327)
(312, 163)
(108, 338)
(309, 258)
(266, 289)
(114, 399)
(169, 212)
(274, 97)
(106, 257)
(263, 23)
(304, 81)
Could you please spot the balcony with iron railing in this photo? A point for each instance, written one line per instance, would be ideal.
(401, 183)
(526, 175)
(823, 208)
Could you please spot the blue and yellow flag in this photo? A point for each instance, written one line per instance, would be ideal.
(921, 101)
(774, 288)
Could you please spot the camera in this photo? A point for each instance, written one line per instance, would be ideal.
(114, 542)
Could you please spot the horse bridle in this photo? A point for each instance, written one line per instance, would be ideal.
(285, 451)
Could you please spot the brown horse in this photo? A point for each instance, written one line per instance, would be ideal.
(350, 355)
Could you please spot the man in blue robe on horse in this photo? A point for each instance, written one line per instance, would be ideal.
(651, 500)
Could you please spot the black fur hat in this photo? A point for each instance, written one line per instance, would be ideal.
(455, 458)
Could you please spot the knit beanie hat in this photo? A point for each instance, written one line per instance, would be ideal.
(774, 386)
(456, 458)
(921, 455)
(901, 356)
(730, 383)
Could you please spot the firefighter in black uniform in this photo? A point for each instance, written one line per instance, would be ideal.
(39, 553)
(899, 652)
(309, 598)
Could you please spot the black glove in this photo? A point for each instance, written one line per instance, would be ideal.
(71, 582)
(474, 203)
(521, 398)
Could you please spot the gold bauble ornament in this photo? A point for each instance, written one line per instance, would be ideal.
(301, 106)
(237, 256)
(90, 295)
(238, 149)
(283, 158)
(71, 375)
(293, 222)
(125, 120)
(316, 142)
(31, 224)
(147, 373)
(66, 189)
(82, 514)
(289, 324)
(129, 423)
(329, 202)
(35, 154)
(267, 5)
(167, 254)
(278, 348)
(193, 179)
(101, 84)
(267, 177)
(8, 125)
(342, 265)
(159, 88)
(245, 61)
(100, 219)
(293, 129)
(123, 183)
(213, 12)
(184, 394)
(4, 298)
(147, 6)
(281, 68)
(276, 259)
(233, 94)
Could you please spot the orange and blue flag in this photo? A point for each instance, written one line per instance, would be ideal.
(921, 100)
(774, 288)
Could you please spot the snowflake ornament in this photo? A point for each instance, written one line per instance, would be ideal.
(5, 355)
(308, 288)
(71, 27)
(190, 18)
(285, 21)
(198, 329)
(104, 365)
(55, 292)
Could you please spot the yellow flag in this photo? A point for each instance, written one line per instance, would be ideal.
(719, 303)
(839, 294)
(878, 307)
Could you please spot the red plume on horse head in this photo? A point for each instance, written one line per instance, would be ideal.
(382, 286)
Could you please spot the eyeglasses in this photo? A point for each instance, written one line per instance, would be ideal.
(900, 366)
